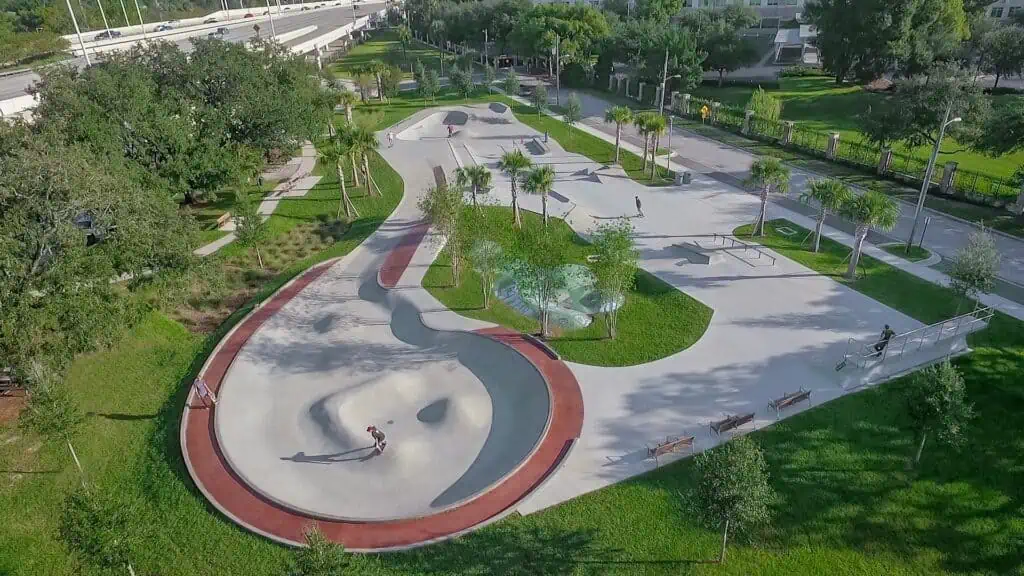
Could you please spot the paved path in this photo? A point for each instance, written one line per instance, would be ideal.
(474, 421)
(945, 234)
(298, 182)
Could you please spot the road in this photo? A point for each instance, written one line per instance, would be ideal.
(326, 19)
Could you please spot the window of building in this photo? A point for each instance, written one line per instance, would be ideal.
(773, 2)
(997, 12)
(755, 2)
(1014, 10)
(789, 2)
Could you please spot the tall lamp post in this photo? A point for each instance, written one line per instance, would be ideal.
(946, 123)
(79, 33)
(273, 33)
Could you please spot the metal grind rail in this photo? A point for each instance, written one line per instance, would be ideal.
(734, 243)
(877, 351)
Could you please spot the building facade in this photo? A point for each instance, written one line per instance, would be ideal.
(1002, 10)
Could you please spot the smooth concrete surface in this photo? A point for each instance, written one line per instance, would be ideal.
(460, 411)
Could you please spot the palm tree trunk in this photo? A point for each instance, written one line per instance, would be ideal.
(348, 111)
(920, 449)
(515, 206)
(473, 191)
(817, 230)
(369, 178)
(654, 153)
(725, 540)
(763, 211)
(611, 320)
(355, 170)
(544, 203)
(618, 134)
(346, 202)
(858, 244)
(644, 168)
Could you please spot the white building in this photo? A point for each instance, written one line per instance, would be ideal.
(1005, 9)
(789, 9)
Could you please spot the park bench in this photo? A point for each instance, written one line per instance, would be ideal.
(789, 399)
(7, 382)
(223, 219)
(669, 446)
(731, 422)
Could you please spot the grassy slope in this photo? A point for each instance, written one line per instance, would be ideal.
(656, 321)
(384, 45)
(818, 103)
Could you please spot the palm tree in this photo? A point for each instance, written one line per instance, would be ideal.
(364, 140)
(830, 195)
(404, 38)
(346, 98)
(477, 177)
(540, 180)
(770, 175)
(641, 122)
(348, 135)
(872, 209)
(656, 127)
(377, 68)
(619, 115)
(513, 164)
(333, 152)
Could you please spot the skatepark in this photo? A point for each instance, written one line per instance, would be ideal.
(473, 414)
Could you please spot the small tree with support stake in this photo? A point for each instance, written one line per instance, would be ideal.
(50, 411)
(935, 401)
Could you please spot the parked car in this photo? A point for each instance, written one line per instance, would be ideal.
(304, 8)
(265, 12)
(164, 28)
(287, 8)
(222, 31)
(209, 21)
(249, 15)
(107, 35)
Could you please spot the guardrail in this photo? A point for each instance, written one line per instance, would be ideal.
(746, 247)
(878, 351)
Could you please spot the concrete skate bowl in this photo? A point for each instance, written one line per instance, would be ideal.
(462, 120)
(474, 424)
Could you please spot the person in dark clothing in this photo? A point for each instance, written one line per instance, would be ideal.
(883, 339)
(379, 440)
(639, 209)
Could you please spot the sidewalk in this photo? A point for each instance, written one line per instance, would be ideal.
(945, 235)
(786, 210)
(293, 187)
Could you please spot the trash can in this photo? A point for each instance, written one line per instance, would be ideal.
(683, 177)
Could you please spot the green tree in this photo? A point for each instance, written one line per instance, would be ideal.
(935, 402)
(830, 195)
(642, 122)
(489, 77)
(405, 38)
(442, 206)
(540, 98)
(615, 268)
(363, 141)
(658, 10)
(514, 164)
(769, 175)
(511, 83)
(96, 525)
(1003, 52)
(727, 49)
(540, 181)
(487, 258)
(320, 557)
(573, 111)
(250, 228)
(430, 86)
(539, 270)
(619, 115)
(51, 412)
(461, 81)
(333, 152)
(975, 267)
(732, 490)
(347, 98)
(873, 209)
(477, 178)
(764, 105)
(656, 126)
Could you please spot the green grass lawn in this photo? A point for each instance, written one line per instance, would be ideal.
(818, 103)
(384, 45)
(916, 254)
(656, 320)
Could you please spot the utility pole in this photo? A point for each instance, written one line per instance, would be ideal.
(273, 33)
(79, 33)
(558, 69)
(664, 81)
(485, 46)
(104, 16)
(142, 24)
(928, 171)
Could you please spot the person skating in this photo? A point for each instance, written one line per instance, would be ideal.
(450, 130)
(379, 441)
(639, 208)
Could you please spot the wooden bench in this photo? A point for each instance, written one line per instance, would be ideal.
(731, 422)
(7, 383)
(669, 446)
(789, 399)
(223, 219)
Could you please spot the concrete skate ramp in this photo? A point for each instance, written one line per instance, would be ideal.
(460, 411)
(435, 125)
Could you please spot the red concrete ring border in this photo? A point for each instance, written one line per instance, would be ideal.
(235, 499)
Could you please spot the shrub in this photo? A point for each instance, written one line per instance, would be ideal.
(764, 105)
(800, 71)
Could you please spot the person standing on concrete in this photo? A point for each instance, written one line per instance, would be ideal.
(379, 441)
(391, 139)
(639, 208)
(204, 392)
(450, 130)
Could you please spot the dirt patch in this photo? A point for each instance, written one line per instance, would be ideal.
(11, 406)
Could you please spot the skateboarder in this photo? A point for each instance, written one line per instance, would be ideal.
(391, 139)
(450, 130)
(379, 440)
(639, 209)
(883, 341)
(204, 392)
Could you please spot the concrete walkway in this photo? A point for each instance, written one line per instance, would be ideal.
(722, 157)
(297, 182)
(945, 234)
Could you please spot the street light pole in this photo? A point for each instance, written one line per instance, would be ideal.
(668, 154)
(142, 24)
(664, 81)
(104, 16)
(127, 22)
(273, 33)
(928, 172)
(79, 33)
(558, 70)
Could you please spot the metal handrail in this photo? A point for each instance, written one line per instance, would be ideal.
(926, 335)
(746, 247)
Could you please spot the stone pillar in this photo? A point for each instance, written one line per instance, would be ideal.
(658, 97)
(885, 161)
(686, 104)
(948, 174)
(640, 92)
(319, 61)
(748, 119)
(1018, 206)
(715, 106)
(611, 78)
(625, 92)
(787, 133)
(833, 146)
(673, 100)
